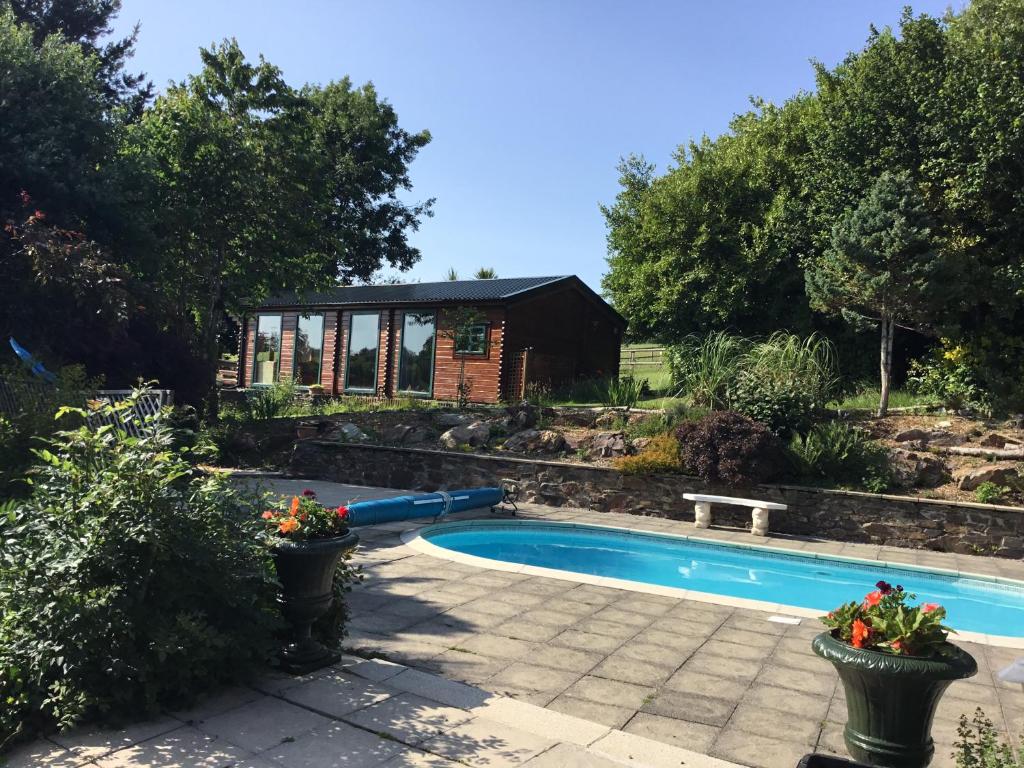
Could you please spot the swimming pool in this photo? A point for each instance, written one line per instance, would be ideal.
(973, 604)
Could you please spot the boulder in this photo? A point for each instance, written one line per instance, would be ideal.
(910, 435)
(348, 433)
(575, 417)
(942, 437)
(995, 440)
(452, 419)
(405, 434)
(918, 470)
(606, 445)
(640, 443)
(970, 478)
(474, 435)
(536, 441)
(521, 416)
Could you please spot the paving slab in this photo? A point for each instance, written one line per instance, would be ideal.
(263, 724)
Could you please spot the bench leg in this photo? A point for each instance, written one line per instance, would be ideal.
(702, 514)
(759, 526)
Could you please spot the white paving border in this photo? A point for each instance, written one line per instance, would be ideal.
(414, 539)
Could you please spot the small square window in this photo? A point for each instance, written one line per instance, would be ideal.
(473, 341)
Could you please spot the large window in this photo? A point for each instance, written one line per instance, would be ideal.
(268, 349)
(472, 340)
(363, 341)
(309, 349)
(416, 370)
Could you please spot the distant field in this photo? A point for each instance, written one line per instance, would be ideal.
(646, 361)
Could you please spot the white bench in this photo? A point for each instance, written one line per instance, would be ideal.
(702, 510)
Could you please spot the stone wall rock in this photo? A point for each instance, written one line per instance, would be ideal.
(836, 515)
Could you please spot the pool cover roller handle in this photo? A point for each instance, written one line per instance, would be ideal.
(375, 511)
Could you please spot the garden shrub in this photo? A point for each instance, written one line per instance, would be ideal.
(841, 454)
(728, 447)
(784, 408)
(781, 381)
(622, 392)
(265, 403)
(32, 421)
(989, 492)
(950, 377)
(130, 583)
(659, 456)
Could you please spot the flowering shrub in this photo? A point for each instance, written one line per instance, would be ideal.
(883, 621)
(305, 518)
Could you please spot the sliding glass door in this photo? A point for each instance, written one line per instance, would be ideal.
(309, 347)
(416, 368)
(268, 349)
(363, 348)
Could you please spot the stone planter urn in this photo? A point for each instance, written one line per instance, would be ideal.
(891, 700)
(306, 572)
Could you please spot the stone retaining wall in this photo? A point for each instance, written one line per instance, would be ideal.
(837, 515)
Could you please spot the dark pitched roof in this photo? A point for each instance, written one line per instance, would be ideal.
(412, 293)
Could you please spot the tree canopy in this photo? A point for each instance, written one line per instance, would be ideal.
(723, 238)
(145, 229)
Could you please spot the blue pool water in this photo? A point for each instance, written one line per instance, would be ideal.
(820, 583)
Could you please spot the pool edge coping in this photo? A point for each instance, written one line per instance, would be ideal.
(414, 539)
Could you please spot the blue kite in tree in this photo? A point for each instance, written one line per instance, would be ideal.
(34, 365)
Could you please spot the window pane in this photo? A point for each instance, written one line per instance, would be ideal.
(363, 339)
(268, 349)
(309, 346)
(415, 374)
(473, 341)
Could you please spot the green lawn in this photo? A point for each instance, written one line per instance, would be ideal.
(867, 399)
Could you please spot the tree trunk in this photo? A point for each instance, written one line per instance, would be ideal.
(209, 338)
(887, 327)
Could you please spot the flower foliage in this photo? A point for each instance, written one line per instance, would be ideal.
(303, 518)
(884, 621)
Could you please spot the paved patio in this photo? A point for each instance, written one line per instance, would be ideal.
(723, 681)
(362, 713)
(493, 668)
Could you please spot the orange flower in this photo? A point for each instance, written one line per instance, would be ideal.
(288, 525)
(267, 515)
(295, 506)
(896, 645)
(860, 633)
(929, 607)
(873, 598)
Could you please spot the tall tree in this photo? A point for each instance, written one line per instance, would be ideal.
(715, 241)
(486, 273)
(88, 23)
(259, 188)
(882, 266)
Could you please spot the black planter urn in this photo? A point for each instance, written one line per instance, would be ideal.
(891, 700)
(306, 572)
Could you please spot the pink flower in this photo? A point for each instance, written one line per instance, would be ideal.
(929, 607)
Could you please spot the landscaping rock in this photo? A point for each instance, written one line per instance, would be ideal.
(348, 433)
(910, 435)
(918, 470)
(536, 441)
(575, 417)
(452, 419)
(521, 416)
(610, 419)
(474, 435)
(970, 478)
(640, 443)
(404, 434)
(607, 445)
(996, 440)
(942, 437)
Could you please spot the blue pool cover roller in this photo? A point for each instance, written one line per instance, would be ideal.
(375, 511)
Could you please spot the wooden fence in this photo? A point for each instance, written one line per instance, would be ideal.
(641, 357)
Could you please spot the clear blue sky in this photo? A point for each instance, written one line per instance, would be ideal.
(530, 103)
